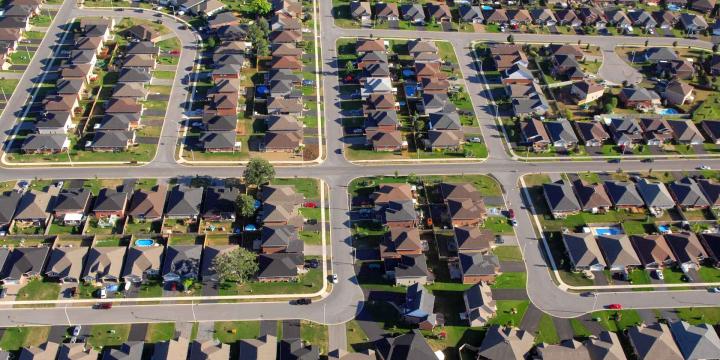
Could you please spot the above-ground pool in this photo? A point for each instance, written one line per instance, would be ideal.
(668, 111)
(608, 231)
(144, 242)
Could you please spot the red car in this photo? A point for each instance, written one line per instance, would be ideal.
(511, 214)
(310, 204)
(174, 52)
(615, 306)
(104, 306)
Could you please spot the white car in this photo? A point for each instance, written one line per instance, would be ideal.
(475, 140)
(715, 290)
(659, 275)
(704, 167)
(76, 330)
(334, 278)
(103, 293)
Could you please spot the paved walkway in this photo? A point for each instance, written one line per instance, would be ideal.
(11, 75)
(563, 328)
(337, 337)
(184, 329)
(138, 332)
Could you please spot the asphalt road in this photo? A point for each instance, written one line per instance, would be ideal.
(346, 298)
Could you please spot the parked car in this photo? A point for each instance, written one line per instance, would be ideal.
(714, 290)
(588, 294)
(687, 278)
(474, 140)
(659, 274)
(334, 278)
(310, 204)
(3, 293)
(303, 301)
(513, 222)
(102, 293)
(312, 263)
(76, 330)
(615, 306)
(511, 214)
(103, 306)
(703, 167)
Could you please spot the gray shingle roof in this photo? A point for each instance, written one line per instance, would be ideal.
(184, 201)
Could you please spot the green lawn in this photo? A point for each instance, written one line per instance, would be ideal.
(16, 338)
(498, 225)
(151, 289)
(308, 283)
(579, 329)
(315, 334)
(158, 332)
(41, 20)
(698, 315)
(354, 334)
(508, 253)
(37, 289)
(709, 274)
(167, 75)
(546, 331)
(505, 313)
(108, 335)
(309, 187)
(616, 320)
(229, 332)
(510, 280)
(310, 237)
(640, 277)
(8, 86)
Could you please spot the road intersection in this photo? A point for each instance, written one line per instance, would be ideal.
(345, 299)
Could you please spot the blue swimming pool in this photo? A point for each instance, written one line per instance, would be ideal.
(144, 242)
(663, 228)
(608, 231)
(486, 7)
(668, 111)
(673, 7)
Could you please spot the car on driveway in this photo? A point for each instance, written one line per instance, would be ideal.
(76, 330)
(659, 275)
(615, 307)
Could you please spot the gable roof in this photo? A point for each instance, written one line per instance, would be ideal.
(686, 247)
(478, 264)
(104, 263)
(210, 252)
(111, 200)
(148, 204)
(623, 193)
(653, 341)
(560, 197)
(506, 344)
(142, 259)
(472, 238)
(408, 346)
(182, 261)
(652, 249)
(66, 262)
(184, 201)
(278, 265)
(696, 341)
(617, 250)
(654, 195)
(8, 203)
(687, 192)
(591, 196)
(583, 250)
(25, 261)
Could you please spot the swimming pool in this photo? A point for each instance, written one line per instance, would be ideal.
(663, 228)
(144, 242)
(673, 7)
(667, 111)
(608, 231)
(486, 7)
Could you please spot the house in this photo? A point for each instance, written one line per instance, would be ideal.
(142, 263)
(171, 349)
(471, 239)
(560, 199)
(283, 238)
(111, 141)
(401, 241)
(693, 23)
(592, 16)
(666, 19)
(534, 134)
(623, 195)
(657, 132)
(128, 350)
(209, 350)
(565, 349)
(386, 12)
(711, 242)
(220, 203)
(643, 19)
(285, 106)
(210, 252)
(391, 192)
(111, 203)
(591, 197)
(655, 196)
(568, 17)
(480, 306)
(439, 12)
(418, 307)
(618, 252)
(687, 194)
(587, 91)
(583, 251)
(232, 33)
(506, 343)
(639, 98)
(219, 141)
(279, 266)
(219, 123)
(281, 50)
(77, 351)
(714, 65)
(687, 249)
(364, 45)
(34, 208)
(413, 13)
(72, 87)
(398, 214)
(297, 349)
(145, 62)
(517, 74)
(181, 262)
(143, 32)
(223, 19)
(506, 55)
(653, 341)
(466, 212)
(653, 251)
(264, 347)
(543, 16)
(561, 134)
(477, 267)
(592, 133)
(432, 103)
(103, 264)
(703, 6)
(685, 132)
(678, 93)
(408, 346)
(123, 106)
(625, 132)
(281, 205)
(408, 270)
(360, 10)
(712, 130)
(133, 90)
(678, 69)
(532, 102)
(24, 263)
(148, 205)
(142, 48)
(695, 341)
(9, 201)
(66, 103)
(45, 351)
(470, 14)
(383, 120)
(618, 18)
(381, 140)
(711, 190)
(72, 205)
(184, 203)
(496, 16)
(660, 54)
(444, 140)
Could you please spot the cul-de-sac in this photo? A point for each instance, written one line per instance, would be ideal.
(359, 179)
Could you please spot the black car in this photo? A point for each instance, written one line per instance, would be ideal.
(312, 263)
(303, 301)
(647, 160)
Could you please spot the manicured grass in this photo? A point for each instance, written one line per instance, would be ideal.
(311, 213)
(37, 289)
(510, 280)
(167, 75)
(508, 253)
(310, 237)
(709, 274)
(698, 315)
(21, 57)
(16, 338)
(315, 334)
(157, 332)
(41, 20)
(354, 333)
(108, 335)
(151, 289)
(673, 276)
(230, 332)
(169, 44)
(309, 187)
(640, 277)
(505, 314)
(546, 331)
(616, 320)
(498, 225)
(8, 86)
(579, 328)
(308, 283)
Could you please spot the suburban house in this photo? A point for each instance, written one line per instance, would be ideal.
(111, 203)
(687, 248)
(655, 196)
(624, 195)
(591, 197)
(184, 203)
(220, 203)
(142, 263)
(104, 264)
(639, 98)
(583, 251)
(711, 190)
(210, 252)
(401, 241)
(181, 262)
(687, 194)
(561, 134)
(560, 199)
(284, 238)
(471, 239)
(534, 134)
(77, 351)
(386, 11)
(54, 122)
(418, 308)
(653, 341)
(712, 129)
(587, 91)
(72, 205)
(653, 251)
(398, 214)
(360, 10)
(34, 208)
(407, 346)
(656, 131)
(264, 347)
(209, 350)
(625, 132)
(678, 93)
(479, 304)
(9, 201)
(392, 192)
(695, 341)
(279, 266)
(280, 206)
(47, 350)
(66, 263)
(23, 264)
(685, 132)
(477, 267)
(506, 343)
(618, 252)
(408, 270)
(148, 205)
(711, 242)
(592, 133)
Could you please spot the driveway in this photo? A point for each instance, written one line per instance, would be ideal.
(291, 329)
(615, 70)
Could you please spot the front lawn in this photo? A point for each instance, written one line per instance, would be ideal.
(510, 280)
(546, 331)
(315, 334)
(229, 332)
(158, 332)
(38, 289)
(508, 253)
(16, 338)
(616, 320)
(699, 315)
(108, 335)
(308, 283)
(509, 312)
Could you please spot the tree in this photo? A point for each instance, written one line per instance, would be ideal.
(245, 205)
(715, 48)
(258, 172)
(187, 284)
(259, 7)
(511, 39)
(349, 67)
(238, 265)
